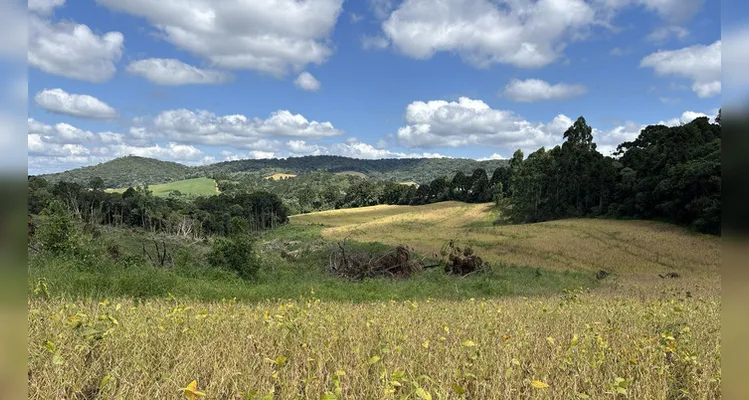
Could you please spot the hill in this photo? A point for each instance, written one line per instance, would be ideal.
(126, 171)
(420, 170)
(134, 171)
(189, 187)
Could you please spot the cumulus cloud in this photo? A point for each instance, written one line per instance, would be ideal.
(170, 71)
(472, 122)
(701, 64)
(77, 105)
(354, 149)
(63, 146)
(522, 34)
(307, 81)
(204, 127)
(270, 36)
(73, 50)
(494, 156)
(531, 90)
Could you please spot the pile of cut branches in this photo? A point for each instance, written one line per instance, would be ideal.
(461, 261)
(398, 262)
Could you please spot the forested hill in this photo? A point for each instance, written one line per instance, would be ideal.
(126, 171)
(133, 171)
(421, 170)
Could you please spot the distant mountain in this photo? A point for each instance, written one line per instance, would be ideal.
(132, 170)
(127, 171)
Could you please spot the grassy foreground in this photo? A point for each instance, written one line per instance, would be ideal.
(190, 187)
(524, 331)
(574, 346)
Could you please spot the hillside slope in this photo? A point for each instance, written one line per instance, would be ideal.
(126, 171)
(623, 247)
(132, 170)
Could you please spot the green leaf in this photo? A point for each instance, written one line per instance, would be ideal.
(328, 396)
(458, 389)
(373, 360)
(423, 394)
(57, 359)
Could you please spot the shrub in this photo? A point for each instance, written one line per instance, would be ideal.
(236, 253)
(58, 234)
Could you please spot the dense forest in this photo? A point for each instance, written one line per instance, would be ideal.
(224, 214)
(137, 171)
(666, 173)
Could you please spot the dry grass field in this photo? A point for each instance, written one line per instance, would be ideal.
(625, 247)
(279, 175)
(634, 336)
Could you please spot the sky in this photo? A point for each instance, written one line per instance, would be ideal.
(204, 81)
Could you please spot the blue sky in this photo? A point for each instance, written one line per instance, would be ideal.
(201, 81)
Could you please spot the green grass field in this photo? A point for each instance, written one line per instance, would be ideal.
(190, 187)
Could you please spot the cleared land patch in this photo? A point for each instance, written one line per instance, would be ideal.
(190, 187)
(624, 247)
(352, 173)
(279, 175)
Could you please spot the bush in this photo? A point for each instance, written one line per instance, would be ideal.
(236, 253)
(58, 234)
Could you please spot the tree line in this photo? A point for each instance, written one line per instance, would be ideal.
(666, 173)
(224, 214)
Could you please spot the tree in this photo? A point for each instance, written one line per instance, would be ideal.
(579, 135)
(479, 192)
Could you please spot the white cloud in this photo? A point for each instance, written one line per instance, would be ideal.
(72, 50)
(662, 33)
(172, 151)
(170, 71)
(207, 128)
(472, 122)
(77, 105)
(618, 51)
(307, 81)
(63, 146)
(699, 63)
(374, 42)
(521, 33)
(270, 36)
(674, 11)
(685, 118)
(608, 140)
(531, 90)
(354, 149)
(494, 156)
(44, 6)
(354, 17)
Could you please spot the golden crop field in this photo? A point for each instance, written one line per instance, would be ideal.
(626, 247)
(633, 336)
(578, 345)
